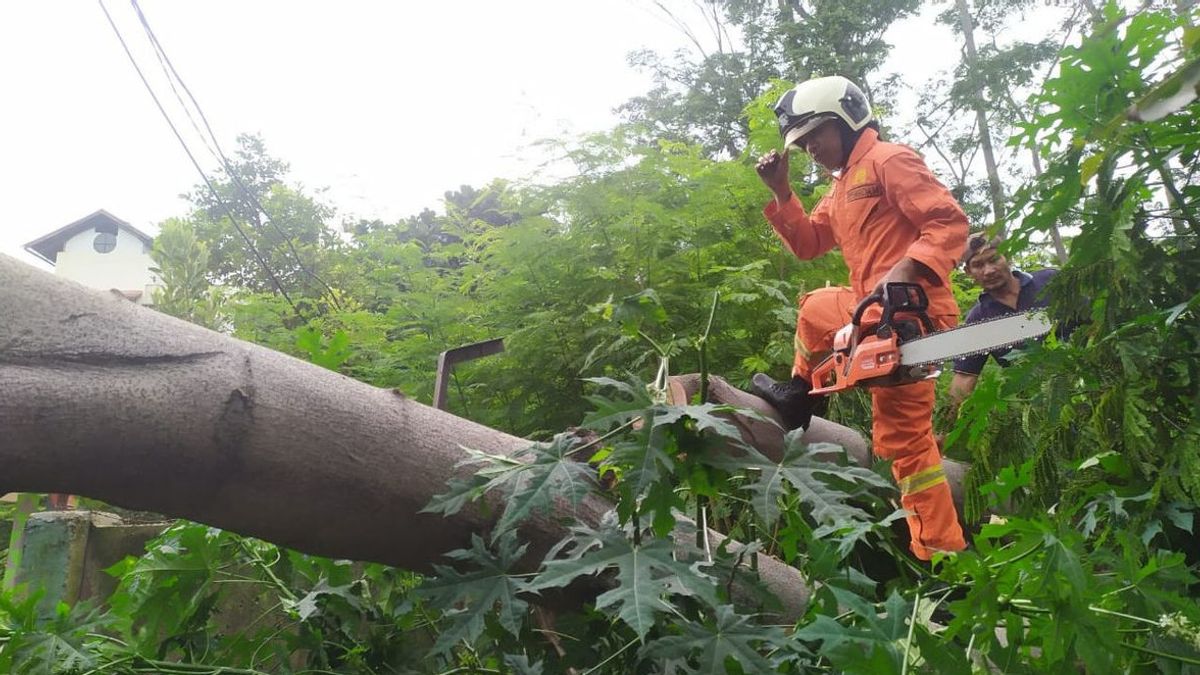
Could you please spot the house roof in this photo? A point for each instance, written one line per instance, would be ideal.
(48, 246)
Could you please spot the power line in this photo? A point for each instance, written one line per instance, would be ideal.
(228, 212)
(163, 64)
(220, 154)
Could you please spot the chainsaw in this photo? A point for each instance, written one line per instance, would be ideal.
(904, 348)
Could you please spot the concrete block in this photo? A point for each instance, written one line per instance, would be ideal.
(65, 553)
(52, 556)
(108, 544)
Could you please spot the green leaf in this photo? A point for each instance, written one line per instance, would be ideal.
(937, 657)
(53, 654)
(1183, 519)
(540, 487)
(538, 479)
(832, 634)
(897, 611)
(644, 458)
(705, 416)
(520, 665)
(607, 412)
(1062, 561)
(1089, 167)
(824, 486)
(722, 636)
(462, 491)
(61, 643)
(309, 605)
(466, 598)
(309, 339)
(647, 574)
(849, 533)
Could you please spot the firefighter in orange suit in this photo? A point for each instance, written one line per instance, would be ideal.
(893, 221)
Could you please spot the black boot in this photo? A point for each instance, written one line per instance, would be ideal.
(791, 399)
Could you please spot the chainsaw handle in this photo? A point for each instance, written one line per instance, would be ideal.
(872, 299)
(906, 297)
(896, 297)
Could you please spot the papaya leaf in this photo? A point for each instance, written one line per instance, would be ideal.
(466, 598)
(608, 413)
(1173, 94)
(822, 485)
(832, 635)
(705, 416)
(725, 635)
(310, 604)
(849, 533)
(58, 644)
(552, 476)
(51, 654)
(519, 665)
(645, 458)
(332, 356)
(647, 573)
(461, 492)
(538, 479)
(870, 643)
(1180, 517)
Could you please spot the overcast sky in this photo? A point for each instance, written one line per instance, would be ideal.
(386, 104)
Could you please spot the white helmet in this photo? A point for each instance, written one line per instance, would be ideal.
(809, 104)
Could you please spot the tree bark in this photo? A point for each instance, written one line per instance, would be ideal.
(103, 398)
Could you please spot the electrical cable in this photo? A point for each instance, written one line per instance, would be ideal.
(212, 188)
(220, 154)
(162, 63)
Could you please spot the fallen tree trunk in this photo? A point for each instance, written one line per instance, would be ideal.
(103, 398)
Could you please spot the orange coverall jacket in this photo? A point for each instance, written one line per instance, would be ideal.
(885, 206)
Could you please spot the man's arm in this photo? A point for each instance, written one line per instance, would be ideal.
(928, 205)
(960, 388)
(805, 236)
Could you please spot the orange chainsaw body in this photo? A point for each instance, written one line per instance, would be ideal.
(873, 359)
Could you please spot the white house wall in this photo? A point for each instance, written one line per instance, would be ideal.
(125, 268)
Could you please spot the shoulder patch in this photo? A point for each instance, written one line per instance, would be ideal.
(864, 191)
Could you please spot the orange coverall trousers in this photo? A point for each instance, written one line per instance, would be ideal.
(902, 424)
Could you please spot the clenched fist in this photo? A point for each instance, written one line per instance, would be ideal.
(773, 170)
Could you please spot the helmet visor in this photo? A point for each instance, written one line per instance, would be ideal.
(793, 135)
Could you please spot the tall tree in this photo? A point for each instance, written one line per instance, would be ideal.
(262, 232)
(182, 264)
(992, 83)
(700, 95)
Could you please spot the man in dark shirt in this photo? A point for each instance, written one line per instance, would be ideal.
(1006, 290)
